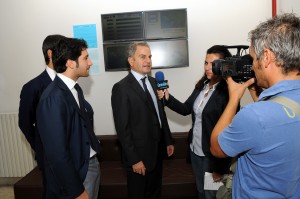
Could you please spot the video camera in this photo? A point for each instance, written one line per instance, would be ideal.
(238, 67)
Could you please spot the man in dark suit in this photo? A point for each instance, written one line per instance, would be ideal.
(141, 125)
(65, 125)
(30, 96)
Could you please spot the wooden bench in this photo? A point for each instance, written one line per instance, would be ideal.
(177, 182)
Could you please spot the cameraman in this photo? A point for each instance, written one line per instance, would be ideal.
(265, 134)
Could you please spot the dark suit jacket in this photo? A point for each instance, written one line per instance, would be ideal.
(29, 98)
(136, 124)
(66, 141)
(210, 116)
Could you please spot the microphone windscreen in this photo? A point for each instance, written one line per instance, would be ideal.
(160, 81)
(159, 76)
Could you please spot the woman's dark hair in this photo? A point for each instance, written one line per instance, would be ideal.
(216, 49)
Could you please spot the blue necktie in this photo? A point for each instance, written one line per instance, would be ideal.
(150, 99)
(94, 141)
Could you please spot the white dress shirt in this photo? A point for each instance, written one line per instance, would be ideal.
(70, 84)
(199, 104)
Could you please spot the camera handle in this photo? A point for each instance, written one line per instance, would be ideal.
(239, 48)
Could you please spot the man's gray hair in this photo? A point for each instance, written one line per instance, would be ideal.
(281, 35)
(132, 47)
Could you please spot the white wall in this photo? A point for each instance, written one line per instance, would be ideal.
(25, 24)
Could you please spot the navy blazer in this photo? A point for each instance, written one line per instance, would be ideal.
(29, 98)
(210, 116)
(136, 123)
(66, 141)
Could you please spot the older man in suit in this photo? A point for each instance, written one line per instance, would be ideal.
(65, 125)
(141, 125)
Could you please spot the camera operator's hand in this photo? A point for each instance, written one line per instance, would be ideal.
(237, 90)
(255, 91)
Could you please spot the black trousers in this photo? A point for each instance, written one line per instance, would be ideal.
(145, 187)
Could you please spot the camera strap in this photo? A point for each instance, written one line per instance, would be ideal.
(291, 104)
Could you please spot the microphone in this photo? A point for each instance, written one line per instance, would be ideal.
(161, 83)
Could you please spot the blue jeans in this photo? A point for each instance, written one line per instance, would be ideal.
(201, 165)
(92, 179)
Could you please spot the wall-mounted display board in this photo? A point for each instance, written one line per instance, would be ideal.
(166, 32)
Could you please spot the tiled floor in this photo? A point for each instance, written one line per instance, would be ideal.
(7, 192)
(6, 187)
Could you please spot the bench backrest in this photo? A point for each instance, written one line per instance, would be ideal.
(111, 148)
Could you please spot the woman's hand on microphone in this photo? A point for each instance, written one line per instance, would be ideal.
(160, 94)
(163, 93)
